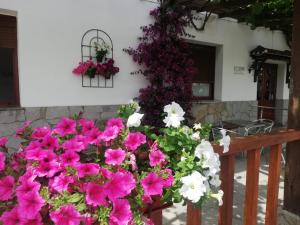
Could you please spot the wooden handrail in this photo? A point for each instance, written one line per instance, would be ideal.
(252, 145)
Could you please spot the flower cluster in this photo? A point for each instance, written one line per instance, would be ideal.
(103, 66)
(76, 173)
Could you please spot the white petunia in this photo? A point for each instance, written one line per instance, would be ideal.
(174, 115)
(135, 105)
(219, 197)
(197, 126)
(209, 159)
(193, 187)
(196, 136)
(215, 181)
(134, 120)
(225, 141)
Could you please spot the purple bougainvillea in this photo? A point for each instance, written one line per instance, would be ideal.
(165, 59)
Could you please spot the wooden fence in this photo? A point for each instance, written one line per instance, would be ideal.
(252, 145)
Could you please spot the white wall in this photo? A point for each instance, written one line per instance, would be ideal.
(49, 36)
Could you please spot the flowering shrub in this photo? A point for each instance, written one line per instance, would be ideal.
(166, 62)
(76, 173)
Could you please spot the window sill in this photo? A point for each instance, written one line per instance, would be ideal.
(205, 101)
(11, 108)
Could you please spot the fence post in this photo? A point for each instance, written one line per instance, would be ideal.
(273, 185)
(193, 215)
(227, 178)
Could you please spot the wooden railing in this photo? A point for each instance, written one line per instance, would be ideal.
(252, 145)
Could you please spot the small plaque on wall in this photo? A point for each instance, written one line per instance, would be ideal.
(239, 70)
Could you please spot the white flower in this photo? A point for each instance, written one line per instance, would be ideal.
(196, 136)
(174, 115)
(193, 187)
(135, 105)
(197, 126)
(225, 141)
(134, 120)
(219, 197)
(209, 159)
(215, 181)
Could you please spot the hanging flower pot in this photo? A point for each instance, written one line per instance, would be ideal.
(100, 55)
(101, 51)
(91, 72)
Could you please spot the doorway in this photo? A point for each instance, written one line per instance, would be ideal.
(266, 91)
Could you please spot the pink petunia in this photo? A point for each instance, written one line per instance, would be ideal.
(37, 220)
(82, 139)
(65, 127)
(121, 213)
(33, 145)
(87, 125)
(73, 145)
(118, 122)
(22, 129)
(6, 188)
(66, 215)
(85, 169)
(50, 143)
(41, 132)
(156, 158)
(95, 194)
(11, 217)
(147, 199)
(152, 184)
(69, 158)
(2, 161)
(61, 183)
(28, 176)
(27, 187)
(35, 154)
(88, 220)
(169, 180)
(16, 162)
(134, 140)
(30, 205)
(132, 161)
(47, 169)
(120, 185)
(110, 133)
(114, 156)
(94, 136)
(3, 142)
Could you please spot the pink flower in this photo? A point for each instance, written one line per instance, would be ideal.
(35, 154)
(87, 169)
(134, 140)
(48, 157)
(47, 169)
(28, 176)
(65, 127)
(82, 139)
(28, 187)
(87, 125)
(3, 142)
(120, 185)
(132, 161)
(33, 145)
(69, 158)
(87, 220)
(118, 122)
(156, 157)
(106, 173)
(37, 220)
(30, 205)
(22, 129)
(110, 133)
(2, 161)
(16, 162)
(121, 213)
(50, 142)
(95, 194)
(152, 184)
(61, 182)
(6, 188)
(41, 132)
(73, 145)
(114, 156)
(11, 217)
(94, 136)
(169, 180)
(66, 215)
(147, 199)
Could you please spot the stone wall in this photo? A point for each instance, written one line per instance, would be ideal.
(214, 112)
(13, 118)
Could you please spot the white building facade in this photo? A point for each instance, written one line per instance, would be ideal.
(49, 36)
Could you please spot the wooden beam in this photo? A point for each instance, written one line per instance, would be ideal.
(292, 171)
